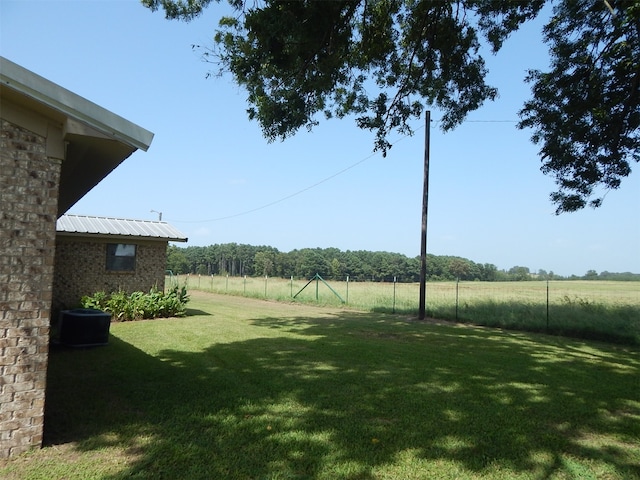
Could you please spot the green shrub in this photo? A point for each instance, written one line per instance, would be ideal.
(96, 301)
(139, 305)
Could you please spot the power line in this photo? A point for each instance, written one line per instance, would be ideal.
(324, 180)
(281, 199)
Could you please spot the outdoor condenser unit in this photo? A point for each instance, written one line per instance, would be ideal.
(84, 327)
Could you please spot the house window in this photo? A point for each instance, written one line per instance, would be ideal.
(121, 257)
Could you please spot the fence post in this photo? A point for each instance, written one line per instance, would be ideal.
(547, 306)
(457, 292)
(227, 284)
(394, 294)
(244, 286)
(347, 289)
(292, 285)
(265, 285)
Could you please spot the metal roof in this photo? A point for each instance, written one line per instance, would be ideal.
(121, 227)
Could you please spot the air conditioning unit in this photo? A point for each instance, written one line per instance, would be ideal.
(84, 327)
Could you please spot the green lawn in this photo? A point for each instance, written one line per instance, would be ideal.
(250, 389)
(594, 310)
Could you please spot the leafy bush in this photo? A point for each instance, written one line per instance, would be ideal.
(139, 305)
(97, 301)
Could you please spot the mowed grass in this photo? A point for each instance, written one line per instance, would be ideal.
(599, 310)
(252, 389)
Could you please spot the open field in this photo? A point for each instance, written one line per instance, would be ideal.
(601, 310)
(251, 389)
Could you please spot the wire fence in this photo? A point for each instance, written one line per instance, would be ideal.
(606, 310)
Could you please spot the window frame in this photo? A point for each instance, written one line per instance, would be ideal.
(121, 257)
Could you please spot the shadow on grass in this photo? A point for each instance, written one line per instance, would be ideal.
(191, 312)
(353, 396)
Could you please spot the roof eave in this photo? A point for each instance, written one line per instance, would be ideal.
(108, 236)
(74, 106)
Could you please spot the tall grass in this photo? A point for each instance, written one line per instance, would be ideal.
(585, 309)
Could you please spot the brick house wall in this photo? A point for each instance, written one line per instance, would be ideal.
(29, 180)
(80, 269)
(55, 146)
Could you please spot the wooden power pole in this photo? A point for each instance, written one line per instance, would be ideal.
(425, 205)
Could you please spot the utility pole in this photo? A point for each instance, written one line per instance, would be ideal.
(425, 205)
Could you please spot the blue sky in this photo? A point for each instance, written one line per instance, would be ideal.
(213, 176)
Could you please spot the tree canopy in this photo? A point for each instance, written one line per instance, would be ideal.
(386, 61)
(360, 265)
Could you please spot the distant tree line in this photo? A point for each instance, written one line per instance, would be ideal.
(331, 263)
(620, 277)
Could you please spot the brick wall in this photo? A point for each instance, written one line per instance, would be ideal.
(28, 207)
(80, 269)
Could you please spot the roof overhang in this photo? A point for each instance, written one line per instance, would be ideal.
(96, 140)
(115, 238)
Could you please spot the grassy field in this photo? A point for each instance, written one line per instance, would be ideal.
(601, 310)
(251, 389)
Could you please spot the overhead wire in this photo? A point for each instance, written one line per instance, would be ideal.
(324, 180)
(246, 212)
